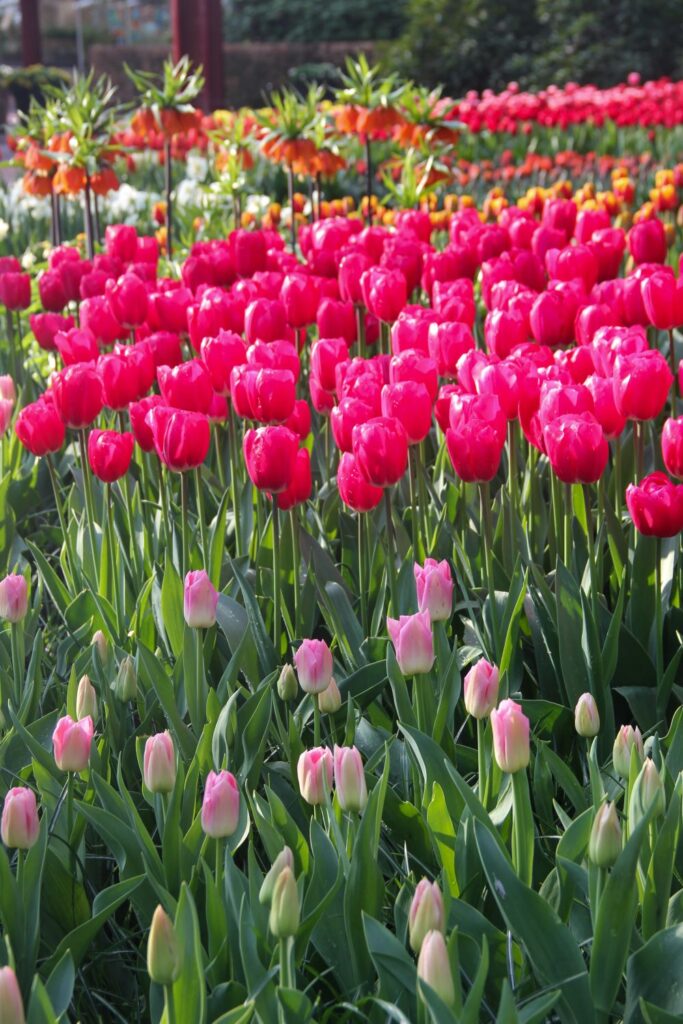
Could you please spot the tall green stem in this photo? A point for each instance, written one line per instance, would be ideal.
(185, 525)
(481, 761)
(413, 503)
(316, 719)
(277, 626)
(391, 553)
(568, 512)
(233, 450)
(70, 558)
(89, 503)
(658, 611)
(362, 573)
(201, 516)
(522, 828)
(487, 520)
(109, 526)
(296, 568)
(18, 659)
(592, 564)
(360, 329)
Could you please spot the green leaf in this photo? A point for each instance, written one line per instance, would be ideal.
(569, 635)
(654, 974)
(189, 991)
(60, 985)
(172, 606)
(395, 969)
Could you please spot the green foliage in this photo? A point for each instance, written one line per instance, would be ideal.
(306, 21)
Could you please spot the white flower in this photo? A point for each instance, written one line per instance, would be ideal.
(257, 205)
(196, 167)
(4, 230)
(28, 260)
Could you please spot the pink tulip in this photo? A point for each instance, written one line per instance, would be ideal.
(221, 805)
(510, 736)
(349, 779)
(426, 913)
(434, 585)
(413, 642)
(20, 824)
(11, 1005)
(314, 771)
(13, 598)
(314, 666)
(159, 767)
(7, 389)
(71, 743)
(481, 689)
(200, 599)
(6, 410)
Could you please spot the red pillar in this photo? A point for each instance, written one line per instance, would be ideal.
(197, 30)
(31, 49)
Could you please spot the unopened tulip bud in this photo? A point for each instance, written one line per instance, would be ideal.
(434, 968)
(481, 689)
(413, 642)
(284, 908)
(604, 845)
(11, 1005)
(586, 717)
(648, 789)
(284, 859)
(349, 779)
(510, 736)
(163, 949)
(627, 738)
(200, 600)
(221, 805)
(71, 743)
(86, 699)
(329, 701)
(101, 645)
(126, 684)
(13, 598)
(287, 686)
(434, 585)
(159, 767)
(426, 913)
(314, 771)
(20, 825)
(314, 666)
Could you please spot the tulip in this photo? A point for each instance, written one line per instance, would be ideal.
(109, 454)
(6, 409)
(586, 717)
(605, 409)
(265, 320)
(221, 805)
(434, 586)
(350, 272)
(272, 394)
(15, 291)
(336, 319)
(301, 484)
(46, 326)
(426, 913)
(299, 295)
(126, 683)
(287, 686)
(127, 298)
(481, 689)
(20, 826)
(181, 438)
(510, 736)
(656, 506)
(96, 314)
(474, 439)
(381, 448)
(126, 375)
(648, 791)
(413, 642)
(11, 1004)
(647, 241)
(216, 312)
(200, 600)
(78, 345)
(220, 355)
(663, 300)
(285, 912)
(604, 844)
(13, 598)
(552, 319)
(86, 699)
(641, 384)
(159, 765)
(284, 859)
(186, 386)
(349, 779)
(504, 330)
(141, 429)
(672, 446)
(72, 742)
(354, 489)
(300, 420)
(409, 403)
(164, 348)
(314, 772)
(163, 949)
(51, 291)
(434, 968)
(627, 739)
(330, 701)
(101, 645)
(415, 367)
(326, 355)
(577, 448)
(384, 292)
(77, 393)
(314, 665)
(121, 241)
(270, 456)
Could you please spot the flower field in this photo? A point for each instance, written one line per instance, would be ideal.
(341, 588)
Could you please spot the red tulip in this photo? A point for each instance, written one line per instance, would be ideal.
(181, 438)
(77, 393)
(272, 394)
(504, 330)
(186, 386)
(381, 448)
(265, 320)
(559, 399)
(128, 300)
(51, 290)
(121, 241)
(300, 295)
(40, 428)
(663, 300)
(351, 269)
(109, 454)
(641, 384)
(476, 436)
(609, 342)
(606, 412)
(349, 413)
(409, 402)
(15, 291)
(77, 345)
(300, 420)
(590, 319)
(123, 378)
(647, 241)
(577, 448)
(216, 311)
(552, 319)
(500, 378)
(97, 315)
(354, 490)
(336, 319)
(656, 506)
(219, 355)
(45, 327)
(672, 446)
(442, 406)
(384, 292)
(270, 454)
(168, 310)
(411, 330)
(413, 366)
(299, 489)
(275, 355)
(72, 272)
(10, 265)
(249, 248)
(164, 348)
(326, 355)
(137, 412)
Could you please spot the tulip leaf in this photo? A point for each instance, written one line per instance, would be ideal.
(189, 991)
(654, 975)
(395, 969)
(172, 615)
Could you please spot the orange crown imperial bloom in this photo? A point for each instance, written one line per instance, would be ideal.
(69, 180)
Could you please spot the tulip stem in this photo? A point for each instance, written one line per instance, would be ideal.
(413, 502)
(127, 499)
(12, 345)
(592, 565)
(89, 504)
(277, 626)
(391, 553)
(485, 496)
(639, 449)
(522, 828)
(316, 719)
(70, 560)
(185, 527)
(422, 495)
(201, 516)
(481, 762)
(658, 613)
(296, 560)
(219, 455)
(232, 449)
(285, 968)
(362, 574)
(109, 526)
(18, 659)
(672, 359)
(170, 1004)
(617, 478)
(567, 524)
(360, 329)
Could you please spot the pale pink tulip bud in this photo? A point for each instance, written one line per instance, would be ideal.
(314, 666)
(434, 586)
(287, 686)
(20, 825)
(349, 779)
(71, 743)
(314, 771)
(426, 913)
(586, 717)
(604, 845)
(221, 805)
(6, 409)
(648, 789)
(13, 598)
(434, 968)
(159, 767)
(285, 911)
(86, 699)
(163, 949)
(200, 600)
(284, 859)
(329, 701)
(11, 1005)
(626, 739)
(481, 689)
(413, 642)
(510, 736)
(101, 645)
(7, 390)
